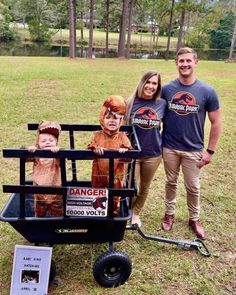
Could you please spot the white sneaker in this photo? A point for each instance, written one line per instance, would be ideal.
(136, 220)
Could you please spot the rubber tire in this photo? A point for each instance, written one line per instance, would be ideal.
(53, 271)
(112, 269)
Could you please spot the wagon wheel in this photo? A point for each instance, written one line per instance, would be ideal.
(112, 269)
(53, 271)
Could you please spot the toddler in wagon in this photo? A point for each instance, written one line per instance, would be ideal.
(110, 138)
(47, 171)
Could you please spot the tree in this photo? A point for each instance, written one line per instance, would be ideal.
(197, 31)
(169, 30)
(233, 42)
(6, 32)
(156, 15)
(222, 35)
(81, 9)
(91, 13)
(130, 19)
(108, 13)
(107, 24)
(40, 16)
(181, 23)
(60, 10)
(191, 10)
(110, 19)
(140, 18)
(72, 28)
(123, 26)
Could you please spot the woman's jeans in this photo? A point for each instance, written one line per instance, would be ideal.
(144, 172)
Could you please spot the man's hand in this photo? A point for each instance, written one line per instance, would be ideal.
(206, 159)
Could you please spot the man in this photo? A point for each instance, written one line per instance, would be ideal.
(183, 136)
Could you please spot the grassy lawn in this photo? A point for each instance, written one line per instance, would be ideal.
(72, 91)
(99, 38)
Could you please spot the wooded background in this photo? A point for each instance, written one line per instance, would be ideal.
(195, 23)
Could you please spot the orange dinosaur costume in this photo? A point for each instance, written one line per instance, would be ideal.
(112, 140)
(47, 171)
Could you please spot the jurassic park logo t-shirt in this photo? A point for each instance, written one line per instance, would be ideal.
(146, 117)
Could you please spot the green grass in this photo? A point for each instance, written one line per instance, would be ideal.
(137, 39)
(72, 91)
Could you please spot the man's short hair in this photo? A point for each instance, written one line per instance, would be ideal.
(185, 50)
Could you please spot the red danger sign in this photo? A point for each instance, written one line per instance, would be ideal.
(82, 201)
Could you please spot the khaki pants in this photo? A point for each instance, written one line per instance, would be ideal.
(173, 160)
(144, 172)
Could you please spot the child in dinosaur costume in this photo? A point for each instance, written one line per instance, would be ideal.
(47, 171)
(110, 138)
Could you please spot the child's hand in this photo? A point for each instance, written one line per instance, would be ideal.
(98, 150)
(122, 150)
(32, 148)
(54, 149)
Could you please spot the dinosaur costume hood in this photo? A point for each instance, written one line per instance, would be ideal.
(48, 127)
(116, 105)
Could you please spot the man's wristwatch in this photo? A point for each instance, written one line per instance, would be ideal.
(210, 152)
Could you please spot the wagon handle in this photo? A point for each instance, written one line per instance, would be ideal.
(196, 244)
(202, 248)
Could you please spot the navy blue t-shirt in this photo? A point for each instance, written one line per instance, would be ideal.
(146, 116)
(183, 125)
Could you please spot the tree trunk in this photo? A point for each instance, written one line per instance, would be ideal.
(81, 33)
(91, 9)
(187, 34)
(141, 36)
(131, 5)
(121, 45)
(140, 27)
(233, 41)
(157, 37)
(72, 28)
(169, 30)
(181, 29)
(82, 26)
(107, 26)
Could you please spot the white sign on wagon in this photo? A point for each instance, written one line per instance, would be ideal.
(83, 201)
(31, 269)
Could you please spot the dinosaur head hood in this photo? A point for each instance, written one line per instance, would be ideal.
(48, 127)
(116, 105)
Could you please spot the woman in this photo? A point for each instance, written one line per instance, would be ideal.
(145, 110)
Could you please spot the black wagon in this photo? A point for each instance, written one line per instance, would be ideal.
(113, 267)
